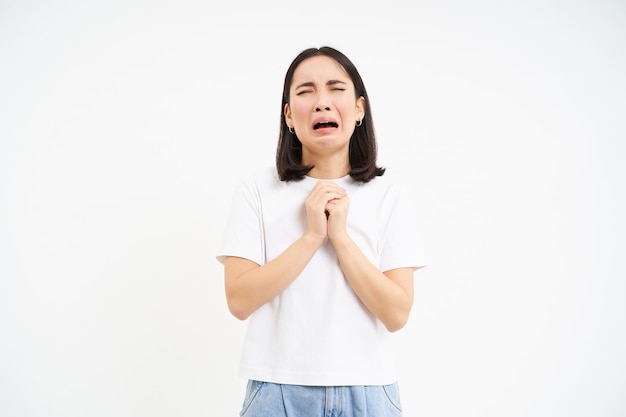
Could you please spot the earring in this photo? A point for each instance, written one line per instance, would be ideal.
(359, 122)
(291, 130)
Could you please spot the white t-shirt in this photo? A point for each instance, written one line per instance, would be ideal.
(317, 331)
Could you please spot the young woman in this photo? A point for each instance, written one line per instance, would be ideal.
(319, 255)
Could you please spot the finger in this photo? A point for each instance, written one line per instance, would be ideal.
(324, 186)
(337, 205)
(326, 191)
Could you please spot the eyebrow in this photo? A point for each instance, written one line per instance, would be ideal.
(329, 82)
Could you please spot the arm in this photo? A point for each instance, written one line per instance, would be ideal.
(248, 286)
(388, 295)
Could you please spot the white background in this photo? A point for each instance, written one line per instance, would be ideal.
(124, 125)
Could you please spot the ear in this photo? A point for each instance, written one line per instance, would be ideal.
(288, 117)
(360, 108)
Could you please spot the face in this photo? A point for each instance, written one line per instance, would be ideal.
(323, 107)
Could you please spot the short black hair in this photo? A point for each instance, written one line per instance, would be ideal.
(362, 148)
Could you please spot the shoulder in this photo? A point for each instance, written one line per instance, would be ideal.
(383, 186)
(261, 183)
(388, 192)
(259, 177)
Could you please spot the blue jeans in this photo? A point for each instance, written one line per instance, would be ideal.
(265, 399)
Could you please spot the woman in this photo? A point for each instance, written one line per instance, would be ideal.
(319, 255)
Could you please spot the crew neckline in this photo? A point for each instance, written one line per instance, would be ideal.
(343, 181)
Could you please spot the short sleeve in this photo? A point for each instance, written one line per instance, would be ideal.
(401, 245)
(243, 235)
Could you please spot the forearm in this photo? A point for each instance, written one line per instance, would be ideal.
(389, 301)
(249, 286)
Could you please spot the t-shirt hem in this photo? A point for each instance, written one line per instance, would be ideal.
(325, 380)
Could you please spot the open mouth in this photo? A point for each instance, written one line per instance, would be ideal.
(324, 125)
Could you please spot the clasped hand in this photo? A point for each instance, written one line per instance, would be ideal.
(327, 209)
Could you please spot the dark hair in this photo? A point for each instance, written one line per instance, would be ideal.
(362, 148)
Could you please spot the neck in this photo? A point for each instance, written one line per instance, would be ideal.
(329, 167)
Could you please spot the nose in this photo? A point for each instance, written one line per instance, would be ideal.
(322, 103)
